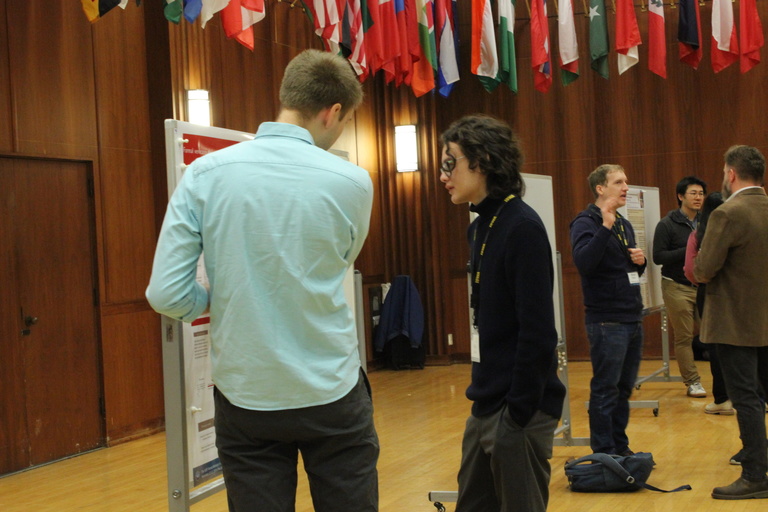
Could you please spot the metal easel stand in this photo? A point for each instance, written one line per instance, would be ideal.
(564, 430)
(662, 374)
(180, 493)
(664, 370)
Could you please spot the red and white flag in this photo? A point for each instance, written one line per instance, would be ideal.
(485, 59)
(540, 59)
(567, 43)
(627, 35)
(725, 46)
(657, 38)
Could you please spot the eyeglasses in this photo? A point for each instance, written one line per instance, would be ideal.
(449, 165)
(695, 193)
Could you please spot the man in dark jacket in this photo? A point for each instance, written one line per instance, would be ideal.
(610, 265)
(517, 396)
(669, 243)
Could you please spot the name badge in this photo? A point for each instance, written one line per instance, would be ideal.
(634, 278)
(474, 345)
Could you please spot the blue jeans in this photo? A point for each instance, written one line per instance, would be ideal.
(744, 370)
(615, 350)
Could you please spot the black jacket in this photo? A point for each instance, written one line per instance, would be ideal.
(669, 242)
(516, 319)
(603, 263)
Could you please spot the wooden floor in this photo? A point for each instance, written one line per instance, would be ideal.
(420, 417)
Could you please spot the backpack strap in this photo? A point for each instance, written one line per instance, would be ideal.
(610, 462)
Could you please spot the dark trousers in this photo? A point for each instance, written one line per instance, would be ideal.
(505, 467)
(338, 444)
(615, 350)
(744, 370)
(719, 392)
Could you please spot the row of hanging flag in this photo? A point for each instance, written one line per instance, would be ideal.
(415, 42)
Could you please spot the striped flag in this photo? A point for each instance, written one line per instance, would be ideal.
(689, 33)
(657, 38)
(540, 60)
(627, 35)
(725, 46)
(448, 72)
(508, 60)
(424, 69)
(357, 55)
(485, 61)
(751, 35)
(239, 16)
(569, 46)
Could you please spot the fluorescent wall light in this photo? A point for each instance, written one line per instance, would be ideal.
(198, 107)
(406, 148)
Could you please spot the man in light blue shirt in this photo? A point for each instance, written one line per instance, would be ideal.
(280, 220)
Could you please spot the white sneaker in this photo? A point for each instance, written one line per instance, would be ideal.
(725, 408)
(696, 390)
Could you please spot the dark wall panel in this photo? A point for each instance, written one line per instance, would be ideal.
(51, 62)
(6, 116)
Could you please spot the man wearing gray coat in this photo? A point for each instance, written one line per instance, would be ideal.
(732, 263)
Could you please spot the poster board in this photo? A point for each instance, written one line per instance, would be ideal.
(192, 458)
(643, 212)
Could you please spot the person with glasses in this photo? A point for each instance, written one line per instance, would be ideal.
(669, 244)
(516, 394)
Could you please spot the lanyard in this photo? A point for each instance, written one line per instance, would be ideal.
(475, 269)
(618, 230)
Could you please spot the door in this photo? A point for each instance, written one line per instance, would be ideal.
(50, 371)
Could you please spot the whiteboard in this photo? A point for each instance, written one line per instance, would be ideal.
(539, 196)
(644, 212)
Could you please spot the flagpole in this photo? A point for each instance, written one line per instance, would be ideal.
(586, 11)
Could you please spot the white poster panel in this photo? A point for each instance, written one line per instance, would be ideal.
(185, 142)
(643, 212)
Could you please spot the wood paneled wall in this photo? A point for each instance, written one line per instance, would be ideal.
(99, 93)
(659, 130)
(69, 89)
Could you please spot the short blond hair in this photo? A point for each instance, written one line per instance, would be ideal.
(600, 176)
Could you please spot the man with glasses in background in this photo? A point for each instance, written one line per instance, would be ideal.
(516, 394)
(669, 244)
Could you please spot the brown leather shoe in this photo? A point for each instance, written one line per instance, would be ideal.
(741, 489)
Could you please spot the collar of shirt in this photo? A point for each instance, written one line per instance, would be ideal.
(273, 129)
(741, 190)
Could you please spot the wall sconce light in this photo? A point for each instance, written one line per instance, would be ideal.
(406, 148)
(198, 107)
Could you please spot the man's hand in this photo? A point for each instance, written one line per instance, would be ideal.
(637, 256)
(608, 211)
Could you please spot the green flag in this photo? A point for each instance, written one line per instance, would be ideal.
(598, 37)
(173, 10)
(507, 64)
